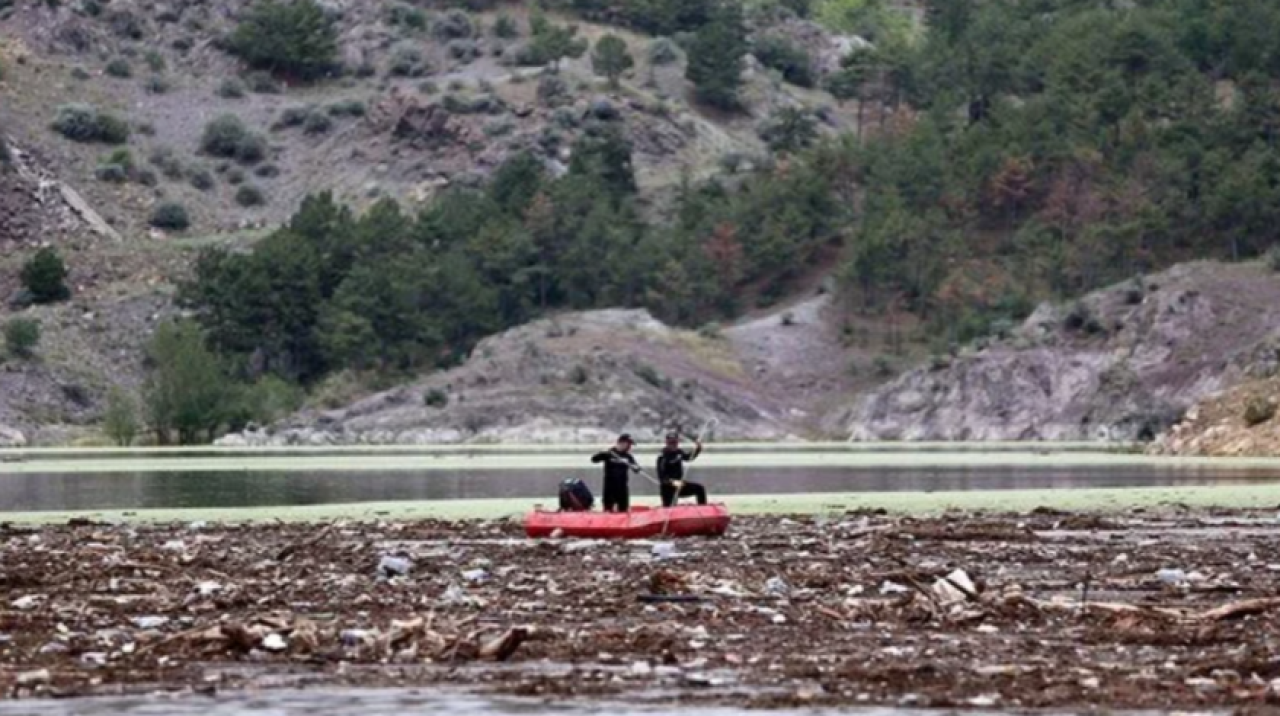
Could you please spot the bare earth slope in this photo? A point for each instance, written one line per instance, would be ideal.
(575, 378)
(1125, 367)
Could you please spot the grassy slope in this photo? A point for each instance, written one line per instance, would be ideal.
(1252, 496)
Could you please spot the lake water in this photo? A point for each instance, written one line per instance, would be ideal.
(88, 490)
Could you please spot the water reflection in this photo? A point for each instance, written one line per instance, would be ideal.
(122, 491)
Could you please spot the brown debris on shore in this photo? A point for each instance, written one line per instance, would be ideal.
(1040, 610)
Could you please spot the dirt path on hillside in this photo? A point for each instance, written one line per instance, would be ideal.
(1042, 610)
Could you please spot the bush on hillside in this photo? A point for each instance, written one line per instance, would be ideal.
(157, 84)
(295, 38)
(202, 179)
(120, 68)
(250, 195)
(231, 88)
(1258, 410)
(227, 137)
(171, 216)
(347, 108)
(155, 61)
(453, 25)
(793, 62)
(84, 123)
(663, 51)
(21, 336)
(408, 61)
(505, 27)
(44, 276)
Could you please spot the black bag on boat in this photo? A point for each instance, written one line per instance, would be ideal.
(575, 496)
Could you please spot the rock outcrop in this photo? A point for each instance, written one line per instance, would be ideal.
(12, 438)
(570, 379)
(1122, 364)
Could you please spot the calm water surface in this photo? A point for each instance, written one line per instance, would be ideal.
(164, 490)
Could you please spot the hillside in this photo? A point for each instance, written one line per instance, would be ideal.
(1124, 363)
(337, 198)
(381, 130)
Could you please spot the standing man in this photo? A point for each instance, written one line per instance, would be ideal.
(618, 464)
(671, 472)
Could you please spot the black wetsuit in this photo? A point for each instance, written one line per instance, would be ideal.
(670, 469)
(617, 472)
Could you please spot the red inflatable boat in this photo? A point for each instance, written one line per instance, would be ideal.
(639, 523)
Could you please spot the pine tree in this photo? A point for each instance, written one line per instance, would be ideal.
(611, 58)
(44, 276)
(715, 58)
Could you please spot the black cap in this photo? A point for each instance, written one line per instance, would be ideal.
(626, 438)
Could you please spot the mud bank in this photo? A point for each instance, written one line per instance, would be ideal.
(1042, 609)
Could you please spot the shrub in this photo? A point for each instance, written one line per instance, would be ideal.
(250, 195)
(317, 123)
(80, 74)
(1272, 257)
(155, 61)
(883, 366)
(789, 130)
(578, 375)
(1258, 410)
(120, 421)
(166, 161)
(294, 37)
(347, 108)
(793, 62)
(663, 51)
(650, 375)
(268, 400)
(407, 62)
(21, 336)
(267, 171)
(227, 137)
(146, 177)
(112, 173)
(262, 83)
(553, 90)
(231, 88)
(183, 44)
(463, 50)
(235, 177)
(202, 179)
(125, 24)
(453, 25)
(119, 67)
(292, 117)
(410, 17)
(44, 276)
(505, 27)
(157, 84)
(435, 398)
(171, 216)
(84, 123)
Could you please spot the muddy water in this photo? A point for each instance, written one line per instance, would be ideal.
(168, 490)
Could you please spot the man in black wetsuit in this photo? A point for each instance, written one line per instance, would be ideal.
(671, 472)
(618, 464)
